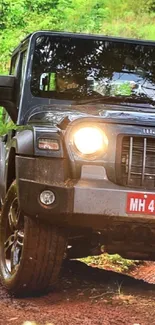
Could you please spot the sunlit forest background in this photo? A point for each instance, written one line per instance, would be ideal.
(126, 18)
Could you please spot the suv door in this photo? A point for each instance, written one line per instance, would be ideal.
(7, 154)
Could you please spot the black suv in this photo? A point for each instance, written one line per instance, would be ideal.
(77, 169)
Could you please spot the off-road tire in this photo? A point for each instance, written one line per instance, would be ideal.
(41, 256)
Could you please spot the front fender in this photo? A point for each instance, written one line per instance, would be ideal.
(23, 142)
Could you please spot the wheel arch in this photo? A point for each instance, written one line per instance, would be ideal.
(22, 144)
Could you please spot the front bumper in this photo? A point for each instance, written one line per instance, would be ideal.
(91, 202)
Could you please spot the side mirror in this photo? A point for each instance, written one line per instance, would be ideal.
(7, 95)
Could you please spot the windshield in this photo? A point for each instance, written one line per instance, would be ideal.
(78, 69)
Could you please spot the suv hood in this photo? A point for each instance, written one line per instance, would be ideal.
(133, 115)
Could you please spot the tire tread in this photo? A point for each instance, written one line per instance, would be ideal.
(42, 255)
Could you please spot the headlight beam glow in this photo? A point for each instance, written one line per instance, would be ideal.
(90, 140)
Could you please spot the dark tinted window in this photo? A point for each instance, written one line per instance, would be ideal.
(74, 68)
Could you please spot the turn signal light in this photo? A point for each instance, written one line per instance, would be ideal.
(48, 144)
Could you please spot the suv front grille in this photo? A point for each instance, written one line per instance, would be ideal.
(138, 162)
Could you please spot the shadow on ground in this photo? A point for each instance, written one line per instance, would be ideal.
(76, 274)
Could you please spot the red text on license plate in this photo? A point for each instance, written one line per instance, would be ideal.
(141, 203)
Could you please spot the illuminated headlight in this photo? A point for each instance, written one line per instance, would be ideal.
(47, 197)
(48, 144)
(90, 140)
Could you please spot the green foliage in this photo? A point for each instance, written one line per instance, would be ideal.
(122, 89)
(107, 261)
(118, 17)
(5, 126)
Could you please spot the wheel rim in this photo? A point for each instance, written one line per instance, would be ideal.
(14, 238)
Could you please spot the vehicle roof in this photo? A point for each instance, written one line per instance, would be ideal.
(82, 35)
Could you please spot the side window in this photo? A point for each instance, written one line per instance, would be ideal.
(18, 68)
(22, 68)
(14, 64)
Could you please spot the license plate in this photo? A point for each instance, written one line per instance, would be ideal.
(140, 203)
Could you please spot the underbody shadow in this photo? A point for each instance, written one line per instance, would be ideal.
(78, 273)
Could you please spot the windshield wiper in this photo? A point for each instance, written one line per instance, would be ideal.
(116, 100)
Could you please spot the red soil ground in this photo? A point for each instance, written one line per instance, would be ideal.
(89, 296)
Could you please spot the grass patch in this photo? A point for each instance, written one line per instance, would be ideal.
(141, 27)
(110, 262)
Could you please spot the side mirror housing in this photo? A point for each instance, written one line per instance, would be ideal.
(7, 95)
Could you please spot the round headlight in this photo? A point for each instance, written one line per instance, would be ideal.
(89, 140)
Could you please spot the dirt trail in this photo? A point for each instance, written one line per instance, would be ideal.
(145, 272)
(89, 296)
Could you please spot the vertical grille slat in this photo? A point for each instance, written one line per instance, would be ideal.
(130, 158)
(144, 160)
(137, 166)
